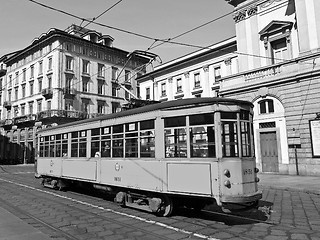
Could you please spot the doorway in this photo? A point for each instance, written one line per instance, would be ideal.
(269, 152)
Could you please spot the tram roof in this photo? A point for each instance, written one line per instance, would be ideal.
(180, 103)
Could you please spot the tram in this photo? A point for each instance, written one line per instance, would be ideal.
(187, 152)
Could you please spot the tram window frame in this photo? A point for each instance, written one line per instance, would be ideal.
(175, 129)
(105, 143)
(117, 141)
(206, 148)
(58, 146)
(229, 136)
(246, 133)
(52, 146)
(41, 147)
(79, 143)
(131, 140)
(147, 139)
(46, 146)
(64, 145)
(95, 141)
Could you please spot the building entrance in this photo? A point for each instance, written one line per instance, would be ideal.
(269, 152)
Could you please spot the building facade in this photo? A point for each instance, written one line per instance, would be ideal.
(62, 76)
(275, 65)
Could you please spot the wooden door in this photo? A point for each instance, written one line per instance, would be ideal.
(269, 152)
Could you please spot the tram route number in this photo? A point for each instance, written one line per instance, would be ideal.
(117, 179)
(247, 171)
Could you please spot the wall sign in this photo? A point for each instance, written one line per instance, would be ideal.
(315, 137)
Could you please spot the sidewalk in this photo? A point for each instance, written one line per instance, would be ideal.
(308, 184)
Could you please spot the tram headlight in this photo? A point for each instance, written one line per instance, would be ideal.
(257, 179)
(227, 183)
(256, 170)
(226, 172)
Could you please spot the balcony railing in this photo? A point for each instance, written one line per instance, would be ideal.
(47, 93)
(62, 114)
(6, 122)
(7, 104)
(25, 118)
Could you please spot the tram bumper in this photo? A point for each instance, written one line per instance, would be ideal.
(240, 202)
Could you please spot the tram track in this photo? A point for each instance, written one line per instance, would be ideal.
(97, 200)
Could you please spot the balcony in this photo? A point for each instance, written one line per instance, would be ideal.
(47, 93)
(30, 118)
(61, 114)
(69, 93)
(7, 105)
(7, 123)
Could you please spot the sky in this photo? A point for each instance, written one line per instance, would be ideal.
(23, 20)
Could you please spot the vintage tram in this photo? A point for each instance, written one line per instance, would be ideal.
(188, 152)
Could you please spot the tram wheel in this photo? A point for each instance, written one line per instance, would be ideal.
(166, 208)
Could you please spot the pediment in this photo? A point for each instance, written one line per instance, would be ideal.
(275, 27)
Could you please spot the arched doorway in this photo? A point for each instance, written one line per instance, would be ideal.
(270, 135)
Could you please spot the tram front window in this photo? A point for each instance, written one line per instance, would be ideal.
(229, 139)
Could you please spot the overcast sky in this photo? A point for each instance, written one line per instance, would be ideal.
(22, 20)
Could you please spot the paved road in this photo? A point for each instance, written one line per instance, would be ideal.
(282, 214)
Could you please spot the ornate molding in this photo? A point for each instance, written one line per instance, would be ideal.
(205, 68)
(170, 79)
(186, 74)
(227, 61)
(239, 16)
(268, 3)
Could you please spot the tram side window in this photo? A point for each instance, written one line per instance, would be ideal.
(95, 141)
(64, 145)
(46, 146)
(245, 134)
(79, 144)
(117, 141)
(147, 144)
(52, 146)
(131, 140)
(229, 139)
(202, 135)
(106, 142)
(58, 146)
(41, 148)
(175, 137)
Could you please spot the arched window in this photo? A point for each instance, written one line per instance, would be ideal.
(266, 106)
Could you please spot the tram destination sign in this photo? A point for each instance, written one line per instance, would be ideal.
(315, 137)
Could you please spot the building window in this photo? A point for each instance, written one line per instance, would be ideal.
(115, 106)
(17, 78)
(16, 93)
(49, 105)
(163, 90)
(49, 81)
(179, 85)
(217, 74)
(85, 66)
(40, 68)
(266, 106)
(30, 107)
(100, 70)
(32, 71)
(40, 85)
(10, 81)
(9, 95)
(24, 75)
(197, 83)
(114, 73)
(114, 90)
(50, 64)
(85, 85)
(69, 63)
(127, 76)
(101, 107)
(31, 87)
(39, 105)
(23, 109)
(100, 87)
(85, 106)
(23, 88)
(279, 50)
(147, 93)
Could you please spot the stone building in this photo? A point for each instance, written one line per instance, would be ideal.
(61, 76)
(274, 62)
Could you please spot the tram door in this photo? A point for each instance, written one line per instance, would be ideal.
(269, 152)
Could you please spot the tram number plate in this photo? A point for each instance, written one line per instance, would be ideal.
(247, 171)
(117, 179)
